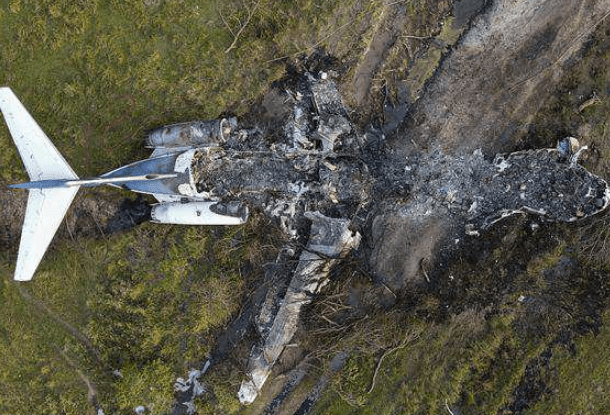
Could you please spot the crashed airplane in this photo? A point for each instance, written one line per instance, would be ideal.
(319, 177)
(166, 175)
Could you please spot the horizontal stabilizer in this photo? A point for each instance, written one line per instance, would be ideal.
(46, 208)
(40, 157)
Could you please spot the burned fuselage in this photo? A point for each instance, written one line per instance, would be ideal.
(318, 167)
(315, 166)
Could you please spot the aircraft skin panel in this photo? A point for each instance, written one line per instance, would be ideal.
(40, 157)
(45, 211)
(160, 152)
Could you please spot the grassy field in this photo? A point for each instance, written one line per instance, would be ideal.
(142, 305)
(122, 316)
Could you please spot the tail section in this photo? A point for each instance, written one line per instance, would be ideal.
(45, 211)
(46, 206)
(41, 158)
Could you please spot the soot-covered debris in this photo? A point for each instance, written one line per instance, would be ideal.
(315, 165)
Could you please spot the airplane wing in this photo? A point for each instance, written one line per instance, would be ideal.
(329, 240)
(40, 157)
(45, 211)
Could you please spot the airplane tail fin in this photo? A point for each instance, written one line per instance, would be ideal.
(46, 206)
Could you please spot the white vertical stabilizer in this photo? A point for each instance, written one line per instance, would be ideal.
(46, 207)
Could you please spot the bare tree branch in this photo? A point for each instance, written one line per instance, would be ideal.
(404, 343)
(227, 25)
(242, 26)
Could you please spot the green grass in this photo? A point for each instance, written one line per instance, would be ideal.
(149, 302)
(581, 378)
(476, 359)
(35, 377)
(432, 366)
(96, 76)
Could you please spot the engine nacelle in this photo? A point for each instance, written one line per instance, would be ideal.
(200, 213)
(210, 133)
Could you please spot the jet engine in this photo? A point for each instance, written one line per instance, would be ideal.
(210, 133)
(200, 213)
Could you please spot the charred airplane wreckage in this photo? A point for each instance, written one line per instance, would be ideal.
(319, 177)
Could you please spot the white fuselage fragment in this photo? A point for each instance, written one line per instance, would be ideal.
(194, 213)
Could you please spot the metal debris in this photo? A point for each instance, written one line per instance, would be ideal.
(330, 239)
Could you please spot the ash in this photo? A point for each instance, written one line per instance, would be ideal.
(319, 161)
(313, 165)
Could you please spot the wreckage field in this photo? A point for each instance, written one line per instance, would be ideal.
(427, 231)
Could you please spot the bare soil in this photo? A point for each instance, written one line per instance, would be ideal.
(485, 94)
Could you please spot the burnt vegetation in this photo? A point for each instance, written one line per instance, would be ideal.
(507, 323)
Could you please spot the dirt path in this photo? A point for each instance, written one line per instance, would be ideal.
(69, 328)
(506, 66)
(92, 395)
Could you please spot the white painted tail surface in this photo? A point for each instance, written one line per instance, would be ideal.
(46, 207)
(45, 211)
(40, 157)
